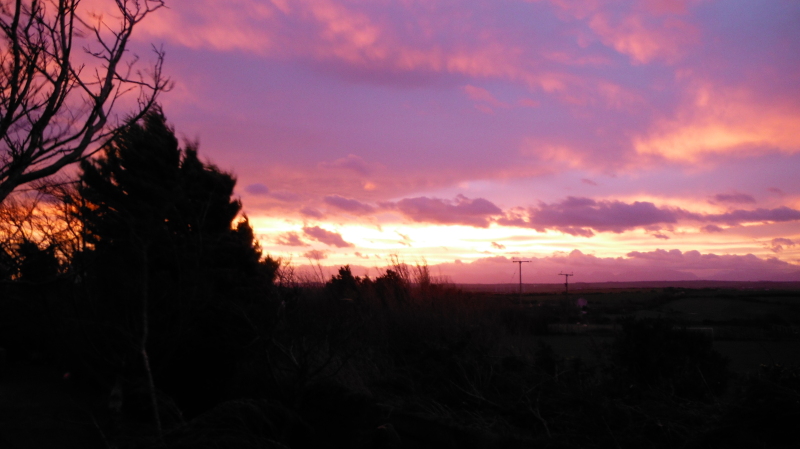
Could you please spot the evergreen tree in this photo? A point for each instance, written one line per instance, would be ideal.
(169, 261)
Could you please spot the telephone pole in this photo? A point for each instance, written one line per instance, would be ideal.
(566, 281)
(520, 262)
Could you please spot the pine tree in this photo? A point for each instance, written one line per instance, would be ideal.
(170, 261)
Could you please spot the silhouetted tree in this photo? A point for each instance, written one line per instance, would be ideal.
(167, 260)
(344, 285)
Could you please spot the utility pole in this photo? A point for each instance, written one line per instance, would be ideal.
(566, 281)
(520, 262)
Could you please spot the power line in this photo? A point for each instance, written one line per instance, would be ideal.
(566, 281)
(520, 262)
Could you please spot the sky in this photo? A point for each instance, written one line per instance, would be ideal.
(618, 140)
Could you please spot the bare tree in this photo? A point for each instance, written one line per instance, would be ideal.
(57, 98)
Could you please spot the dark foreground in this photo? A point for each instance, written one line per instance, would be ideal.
(358, 365)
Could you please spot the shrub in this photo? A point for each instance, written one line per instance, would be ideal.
(658, 353)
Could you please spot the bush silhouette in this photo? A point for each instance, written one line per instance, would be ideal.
(658, 353)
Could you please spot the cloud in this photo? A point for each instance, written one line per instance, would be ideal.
(777, 215)
(315, 254)
(734, 198)
(776, 191)
(284, 195)
(290, 239)
(257, 189)
(351, 162)
(581, 216)
(485, 97)
(720, 120)
(710, 229)
(588, 181)
(643, 36)
(311, 212)
(327, 237)
(348, 205)
(399, 44)
(462, 211)
(496, 245)
(777, 244)
(642, 30)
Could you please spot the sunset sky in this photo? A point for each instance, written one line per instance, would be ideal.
(619, 140)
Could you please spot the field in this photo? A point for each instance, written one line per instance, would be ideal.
(750, 326)
(387, 363)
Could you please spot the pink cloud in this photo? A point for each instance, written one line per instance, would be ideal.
(463, 211)
(496, 245)
(636, 266)
(315, 254)
(327, 237)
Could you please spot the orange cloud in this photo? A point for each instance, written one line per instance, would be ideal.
(723, 121)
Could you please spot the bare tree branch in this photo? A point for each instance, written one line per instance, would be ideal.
(54, 112)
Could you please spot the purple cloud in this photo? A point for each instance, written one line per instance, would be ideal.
(352, 206)
(585, 216)
(311, 213)
(733, 198)
(463, 211)
(283, 195)
(327, 237)
(351, 162)
(257, 189)
(777, 215)
(582, 216)
(588, 181)
(777, 245)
